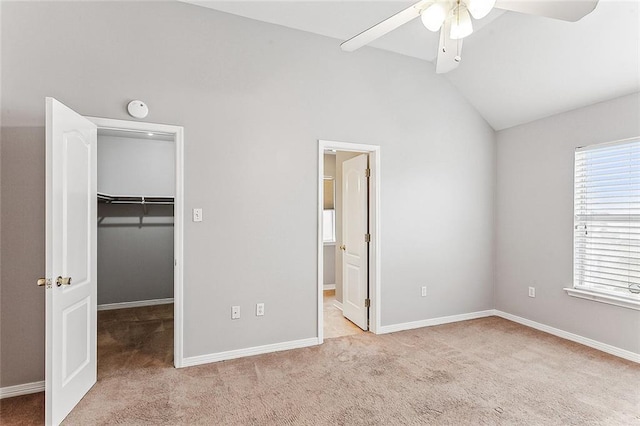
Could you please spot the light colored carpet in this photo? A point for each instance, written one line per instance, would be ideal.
(335, 324)
(486, 371)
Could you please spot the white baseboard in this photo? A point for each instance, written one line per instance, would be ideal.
(434, 321)
(136, 304)
(35, 387)
(23, 389)
(256, 350)
(610, 349)
(329, 287)
(337, 304)
(613, 350)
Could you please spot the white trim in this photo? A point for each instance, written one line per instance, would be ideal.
(337, 304)
(178, 218)
(374, 228)
(328, 286)
(603, 298)
(136, 126)
(178, 252)
(136, 304)
(23, 389)
(256, 350)
(601, 144)
(434, 321)
(613, 350)
(35, 387)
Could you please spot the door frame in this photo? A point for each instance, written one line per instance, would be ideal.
(374, 229)
(178, 218)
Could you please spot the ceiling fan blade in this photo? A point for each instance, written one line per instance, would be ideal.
(382, 28)
(565, 10)
(448, 50)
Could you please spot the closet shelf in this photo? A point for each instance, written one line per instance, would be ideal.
(133, 199)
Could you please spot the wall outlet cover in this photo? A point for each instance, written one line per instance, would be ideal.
(235, 312)
(197, 215)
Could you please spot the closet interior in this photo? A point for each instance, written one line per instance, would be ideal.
(135, 239)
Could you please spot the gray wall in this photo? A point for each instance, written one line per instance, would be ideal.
(535, 221)
(251, 96)
(329, 266)
(22, 303)
(136, 166)
(330, 165)
(329, 250)
(135, 253)
(135, 249)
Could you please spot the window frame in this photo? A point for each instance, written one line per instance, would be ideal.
(611, 296)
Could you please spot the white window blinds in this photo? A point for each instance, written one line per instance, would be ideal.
(607, 219)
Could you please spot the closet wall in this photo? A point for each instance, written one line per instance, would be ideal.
(135, 242)
(329, 255)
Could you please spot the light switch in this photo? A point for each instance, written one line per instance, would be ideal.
(197, 215)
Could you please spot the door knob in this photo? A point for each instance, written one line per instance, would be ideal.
(343, 247)
(63, 281)
(42, 282)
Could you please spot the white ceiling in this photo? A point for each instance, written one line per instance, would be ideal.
(515, 68)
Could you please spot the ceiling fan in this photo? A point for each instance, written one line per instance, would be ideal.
(453, 19)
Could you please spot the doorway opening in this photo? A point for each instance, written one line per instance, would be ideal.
(335, 322)
(71, 227)
(139, 242)
(348, 239)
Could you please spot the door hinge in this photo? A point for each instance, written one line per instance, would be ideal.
(367, 172)
(367, 238)
(367, 303)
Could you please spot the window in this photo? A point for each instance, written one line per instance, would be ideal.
(329, 226)
(329, 213)
(607, 222)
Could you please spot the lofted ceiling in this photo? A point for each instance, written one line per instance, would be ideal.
(515, 68)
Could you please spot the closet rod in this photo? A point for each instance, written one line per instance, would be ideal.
(141, 202)
(129, 199)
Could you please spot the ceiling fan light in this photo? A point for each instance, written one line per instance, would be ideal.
(433, 16)
(480, 8)
(461, 25)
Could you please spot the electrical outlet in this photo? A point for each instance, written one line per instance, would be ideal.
(259, 309)
(424, 291)
(532, 292)
(235, 312)
(197, 215)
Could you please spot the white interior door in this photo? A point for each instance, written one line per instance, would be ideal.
(70, 368)
(354, 246)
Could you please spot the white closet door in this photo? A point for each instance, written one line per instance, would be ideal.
(70, 259)
(354, 246)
